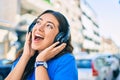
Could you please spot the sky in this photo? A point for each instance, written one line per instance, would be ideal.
(108, 17)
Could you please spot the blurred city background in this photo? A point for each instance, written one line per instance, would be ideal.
(90, 46)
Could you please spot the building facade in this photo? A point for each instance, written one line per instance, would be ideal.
(90, 29)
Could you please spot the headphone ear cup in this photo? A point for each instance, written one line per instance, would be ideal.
(59, 37)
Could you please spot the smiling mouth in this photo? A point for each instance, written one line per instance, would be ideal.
(38, 37)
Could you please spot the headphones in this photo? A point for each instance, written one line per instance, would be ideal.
(61, 37)
(32, 25)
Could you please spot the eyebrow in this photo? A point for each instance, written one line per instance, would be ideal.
(47, 21)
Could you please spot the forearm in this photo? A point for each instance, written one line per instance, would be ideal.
(17, 72)
(41, 73)
(45, 55)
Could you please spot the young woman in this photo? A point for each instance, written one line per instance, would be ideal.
(47, 52)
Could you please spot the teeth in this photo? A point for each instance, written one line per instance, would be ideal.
(38, 35)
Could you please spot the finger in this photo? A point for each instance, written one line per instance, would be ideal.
(28, 36)
(53, 45)
(59, 48)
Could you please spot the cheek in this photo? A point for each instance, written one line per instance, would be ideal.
(51, 37)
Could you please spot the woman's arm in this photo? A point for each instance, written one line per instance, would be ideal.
(17, 72)
(40, 71)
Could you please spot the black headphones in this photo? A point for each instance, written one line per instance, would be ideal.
(32, 25)
(61, 37)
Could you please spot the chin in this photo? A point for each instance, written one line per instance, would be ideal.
(37, 48)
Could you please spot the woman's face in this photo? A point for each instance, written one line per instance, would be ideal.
(44, 32)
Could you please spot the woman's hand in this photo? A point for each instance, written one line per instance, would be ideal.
(17, 72)
(50, 52)
(28, 51)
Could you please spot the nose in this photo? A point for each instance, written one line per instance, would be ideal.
(40, 27)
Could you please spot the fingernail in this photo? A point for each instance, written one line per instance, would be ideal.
(64, 44)
(58, 42)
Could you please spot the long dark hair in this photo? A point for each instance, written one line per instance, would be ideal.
(63, 27)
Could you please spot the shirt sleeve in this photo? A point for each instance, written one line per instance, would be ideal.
(66, 70)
